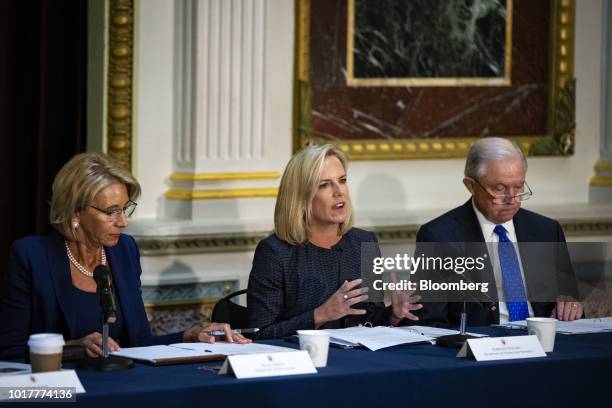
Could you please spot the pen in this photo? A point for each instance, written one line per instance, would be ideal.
(239, 331)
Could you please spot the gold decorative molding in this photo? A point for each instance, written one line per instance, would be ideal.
(559, 139)
(603, 166)
(402, 149)
(187, 194)
(119, 76)
(350, 66)
(301, 88)
(601, 181)
(262, 175)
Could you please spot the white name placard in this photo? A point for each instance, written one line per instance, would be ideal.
(63, 378)
(268, 364)
(502, 348)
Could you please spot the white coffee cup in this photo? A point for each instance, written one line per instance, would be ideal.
(316, 343)
(545, 329)
(46, 352)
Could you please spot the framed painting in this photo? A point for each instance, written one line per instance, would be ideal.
(414, 79)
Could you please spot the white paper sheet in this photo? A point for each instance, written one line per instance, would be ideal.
(230, 349)
(581, 326)
(435, 332)
(187, 350)
(376, 338)
(155, 353)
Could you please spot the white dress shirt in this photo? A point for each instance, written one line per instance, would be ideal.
(492, 239)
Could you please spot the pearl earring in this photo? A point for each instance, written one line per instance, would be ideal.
(75, 225)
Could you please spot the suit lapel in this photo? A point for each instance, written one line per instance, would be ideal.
(523, 232)
(62, 280)
(470, 228)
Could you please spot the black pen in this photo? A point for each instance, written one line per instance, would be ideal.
(238, 331)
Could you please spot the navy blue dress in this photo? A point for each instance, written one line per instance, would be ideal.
(287, 282)
(89, 316)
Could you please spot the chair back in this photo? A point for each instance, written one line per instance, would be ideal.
(226, 311)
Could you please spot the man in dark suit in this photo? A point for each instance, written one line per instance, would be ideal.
(517, 272)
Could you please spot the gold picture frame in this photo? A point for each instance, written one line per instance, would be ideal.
(558, 140)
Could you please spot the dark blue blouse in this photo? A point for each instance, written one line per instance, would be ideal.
(89, 316)
(287, 282)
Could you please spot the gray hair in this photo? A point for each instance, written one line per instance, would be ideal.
(491, 149)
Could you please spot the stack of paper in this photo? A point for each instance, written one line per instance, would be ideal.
(376, 338)
(231, 349)
(193, 352)
(435, 332)
(581, 326)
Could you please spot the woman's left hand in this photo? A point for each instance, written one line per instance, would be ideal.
(202, 334)
(404, 302)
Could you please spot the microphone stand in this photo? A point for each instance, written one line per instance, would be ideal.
(456, 340)
(105, 340)
(106, 362)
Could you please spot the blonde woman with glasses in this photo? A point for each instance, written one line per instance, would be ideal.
(49, 285)
(307, 275)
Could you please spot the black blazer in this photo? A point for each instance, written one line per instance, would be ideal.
(287, 282)
(36, 295)
(461, 225)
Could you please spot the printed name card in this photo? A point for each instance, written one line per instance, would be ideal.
(502, 348)
(268, 364)
(63, 379)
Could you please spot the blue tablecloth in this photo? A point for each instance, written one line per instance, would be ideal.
(577, 373)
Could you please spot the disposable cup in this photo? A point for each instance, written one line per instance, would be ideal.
(545, 329)
(46, 352)
(316, 342)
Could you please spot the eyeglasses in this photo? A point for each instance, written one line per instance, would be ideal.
(507, 198)
(114, 213)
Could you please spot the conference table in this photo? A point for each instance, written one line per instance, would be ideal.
(577, 373)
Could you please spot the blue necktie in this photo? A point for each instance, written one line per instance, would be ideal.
(511, 274)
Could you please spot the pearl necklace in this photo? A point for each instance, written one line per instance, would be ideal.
(80, 267)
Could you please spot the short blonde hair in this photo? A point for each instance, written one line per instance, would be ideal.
(297, 189)
(79, 181)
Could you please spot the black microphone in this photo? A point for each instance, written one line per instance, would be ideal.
(104, 279)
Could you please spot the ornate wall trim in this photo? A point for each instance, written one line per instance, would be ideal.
(230, 193)
(603, 174)
(418, 149)
(186, 294)
(205, 243)
(260, 175)
(603, 166)
(172, 308)
(119, 80)
(243, 242)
